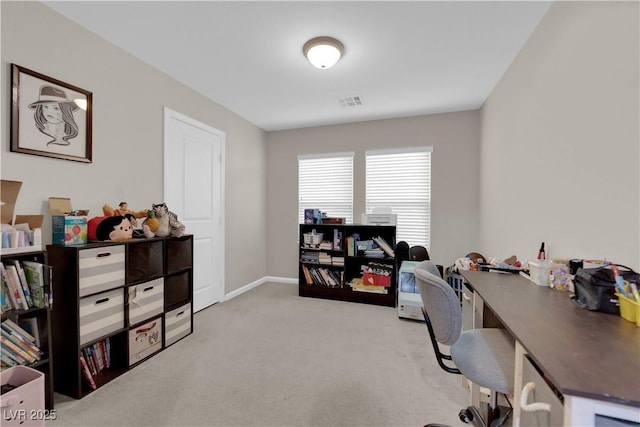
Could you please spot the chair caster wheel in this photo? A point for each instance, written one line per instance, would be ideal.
(465, 416)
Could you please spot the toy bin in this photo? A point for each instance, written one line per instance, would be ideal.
(629, 309)
(312, 239)
(22, 398)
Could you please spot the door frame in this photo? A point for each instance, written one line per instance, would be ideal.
(171, 114)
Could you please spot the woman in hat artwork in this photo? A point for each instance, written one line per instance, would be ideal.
(54, 115)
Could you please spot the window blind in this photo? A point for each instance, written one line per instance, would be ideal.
(401, 180)
(325, 182)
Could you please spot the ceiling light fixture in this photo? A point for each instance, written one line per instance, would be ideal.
(323, 52)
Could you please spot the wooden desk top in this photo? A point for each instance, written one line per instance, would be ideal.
(582, 353)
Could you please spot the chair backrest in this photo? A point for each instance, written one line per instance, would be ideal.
(441, 304)
(418, 253)
(402, 252)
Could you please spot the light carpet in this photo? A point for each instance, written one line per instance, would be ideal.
(271, 358)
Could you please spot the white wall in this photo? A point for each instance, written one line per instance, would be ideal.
(454, 181)
(128, 101)
(560, 140)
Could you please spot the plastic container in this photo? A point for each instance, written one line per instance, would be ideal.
(629, 309)
(539, 271)
(22, 399)
(312, 239)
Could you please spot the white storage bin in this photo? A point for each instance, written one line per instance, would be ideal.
(144, 340)
(177, 324)
(101, 314)
(101, 269)
(146, 300)
(23, 405)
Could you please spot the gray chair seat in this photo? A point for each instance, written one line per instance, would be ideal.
(486, 357)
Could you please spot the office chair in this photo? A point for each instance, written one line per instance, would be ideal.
(484, 356)
(418, 253)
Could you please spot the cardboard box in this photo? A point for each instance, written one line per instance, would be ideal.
(67, 229)
(27, 236)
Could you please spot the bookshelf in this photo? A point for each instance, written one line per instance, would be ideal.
(337, 265)
(40, 317)
(117, 304)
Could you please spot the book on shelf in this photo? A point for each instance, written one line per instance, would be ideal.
(8, 345)
(30, 325)
(16, 329)
(10, 275)
(23, 282)
(357, 285)
(36, 280)
(385, 246)
(337, 240)
(19, 343)
(86, 373)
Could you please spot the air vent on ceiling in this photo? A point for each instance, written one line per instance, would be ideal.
(350, 101)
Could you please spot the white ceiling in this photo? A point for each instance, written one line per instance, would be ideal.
(401, 58)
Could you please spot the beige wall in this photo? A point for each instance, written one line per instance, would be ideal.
(128, 97)
(560, 139)
(455, 141)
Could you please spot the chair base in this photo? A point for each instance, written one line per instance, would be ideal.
(491, 418)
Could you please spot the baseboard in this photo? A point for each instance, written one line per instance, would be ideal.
(255, 284)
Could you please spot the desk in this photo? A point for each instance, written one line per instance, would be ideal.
(591, 358)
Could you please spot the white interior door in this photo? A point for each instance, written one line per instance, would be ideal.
(194, 190)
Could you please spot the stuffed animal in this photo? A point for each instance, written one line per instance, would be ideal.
(114, 228)
(168, 224)
(122, 210)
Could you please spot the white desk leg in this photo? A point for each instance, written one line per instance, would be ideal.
(478, 307)
(517, 383)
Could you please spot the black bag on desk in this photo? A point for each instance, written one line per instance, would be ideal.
(595, 288)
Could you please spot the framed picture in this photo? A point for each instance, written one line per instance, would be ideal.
(48, 117)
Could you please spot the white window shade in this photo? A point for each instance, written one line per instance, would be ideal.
(325, 182)
(401, 180)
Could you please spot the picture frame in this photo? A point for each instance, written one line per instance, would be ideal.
(49, 117)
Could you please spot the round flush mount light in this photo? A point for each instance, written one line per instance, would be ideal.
(323, 52)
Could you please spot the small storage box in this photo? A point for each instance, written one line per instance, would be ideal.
(145, 300)
(101, 314)
(101, 269)
(539, 272)
(67, 229)
(177, 324)
(144, 340)
(312, 239)
(22, 399)
(629, 309)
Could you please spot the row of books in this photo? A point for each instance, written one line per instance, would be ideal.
(24, 284)
(19, 347)
(358, 285)
(376, 247)
(321, 258)
(322, 276)
(94, 359)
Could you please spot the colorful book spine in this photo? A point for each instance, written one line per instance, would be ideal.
(87, 374)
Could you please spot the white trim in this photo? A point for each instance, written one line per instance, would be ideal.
(426, 149)
(325, 155)
(255, 284)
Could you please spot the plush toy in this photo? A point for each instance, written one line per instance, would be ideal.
(114, 228)
(167, 223)
(123, 209)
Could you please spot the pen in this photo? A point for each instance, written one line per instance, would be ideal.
(619, 281)
(634, 291)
